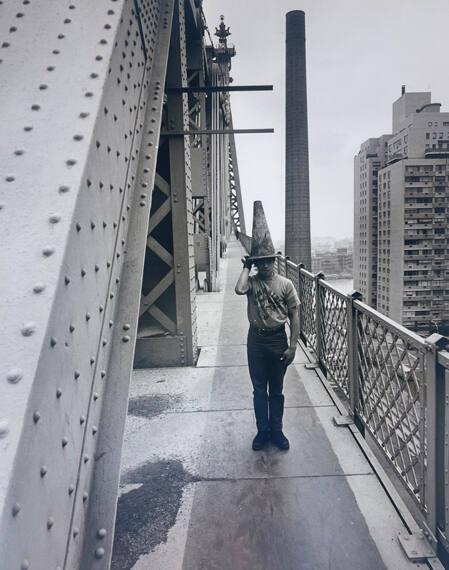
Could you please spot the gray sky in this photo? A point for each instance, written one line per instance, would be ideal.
(359, 53)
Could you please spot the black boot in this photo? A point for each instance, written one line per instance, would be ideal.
(279, 440)
(261, 439)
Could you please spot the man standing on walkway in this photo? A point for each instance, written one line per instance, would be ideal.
(272, 300)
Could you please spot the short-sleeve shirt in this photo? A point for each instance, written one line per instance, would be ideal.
(269, 301)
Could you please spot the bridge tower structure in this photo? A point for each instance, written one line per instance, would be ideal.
(115, 197)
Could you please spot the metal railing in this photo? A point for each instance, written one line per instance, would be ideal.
(393, 383)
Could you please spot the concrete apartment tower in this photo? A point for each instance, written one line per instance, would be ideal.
(408, 281)
(297, 198)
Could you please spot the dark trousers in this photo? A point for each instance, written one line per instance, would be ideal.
(267, 372)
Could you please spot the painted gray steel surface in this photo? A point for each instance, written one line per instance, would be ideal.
(68, 167)
(297, 199)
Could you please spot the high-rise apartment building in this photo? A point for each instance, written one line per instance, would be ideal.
(405, 218)
(370, 159)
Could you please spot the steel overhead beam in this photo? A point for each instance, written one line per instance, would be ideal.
(219, 88)
(215, 132)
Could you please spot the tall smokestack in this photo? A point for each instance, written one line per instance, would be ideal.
(297, 199)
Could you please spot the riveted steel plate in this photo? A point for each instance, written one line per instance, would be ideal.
(77, 78)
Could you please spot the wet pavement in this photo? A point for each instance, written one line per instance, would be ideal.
(194, 496)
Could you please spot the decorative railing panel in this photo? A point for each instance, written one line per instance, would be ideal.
(334, 335)
(307, 296)
(392, 394)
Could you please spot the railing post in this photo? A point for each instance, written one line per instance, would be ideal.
(431, 424)
(442, 461)
(301, 301)
(318, 335)
(353, 359)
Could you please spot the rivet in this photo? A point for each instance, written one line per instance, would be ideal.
(66, 280)
(76, 531)
(71, 489)
(39, 287)
(71, 328)
(101, 533)
(25, 565)
(43, 470)
(94, 430)
(58, 393)
(83, 115)
(54, 219)
(78, 137)
(88, 316)
(64, 441)
(63, 189)
(95, 396)
(77, 374)
(4, 428)
(35, 107)
(86, 458)
(104, 342)
(92, 360)
(126, 338)
(85, 496)
(36, 416)
(53, 341)
(70, 162)
(101, 308)
(43, 87)
(19, 152)
(28, 329)
(82, 419)
(99, 553)
(48, 251)
(50, 523)
(126, 327)
(78, 227)
(111, 323)
(14, 375)
(83, 272)
(111, 295)
(103, 373)
(15, 509)
(92, 225)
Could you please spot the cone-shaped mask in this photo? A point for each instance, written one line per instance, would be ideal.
(262, 244)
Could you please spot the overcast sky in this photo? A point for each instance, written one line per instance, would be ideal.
(359, 53)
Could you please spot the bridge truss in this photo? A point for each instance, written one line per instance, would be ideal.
(110, 218)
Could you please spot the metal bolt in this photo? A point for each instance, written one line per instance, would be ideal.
(50, 523)
(86, 458)
(85, 496)
(36, 416)
(88, 316)
(101, 533)
(71, 328)
(94, 430)
(126, 338)
(54, 219)
(103, 373)
(92, 360)
(48, 251)
(28, 329)
(95, 396)
(82, 419)
(99, 553)
(126, 327)
(71, 489)
(16, 509)
(44, 470)
(77, 374)
(38, 288)
(58, 393)
(65, 441)
(53, 341)
(4, 428)
(66, 280)
(25, 565)
(14, 375)
(76, 531)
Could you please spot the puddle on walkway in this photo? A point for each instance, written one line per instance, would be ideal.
(147, 513)
(152, 405)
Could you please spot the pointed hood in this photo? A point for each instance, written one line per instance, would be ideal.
(262, 244)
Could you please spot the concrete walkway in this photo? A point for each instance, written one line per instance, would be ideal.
(194, 496)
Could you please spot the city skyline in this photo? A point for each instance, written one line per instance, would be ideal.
(358, 56)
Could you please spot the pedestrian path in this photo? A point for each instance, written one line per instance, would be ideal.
(194, 496)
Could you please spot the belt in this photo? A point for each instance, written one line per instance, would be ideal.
(265, 332)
